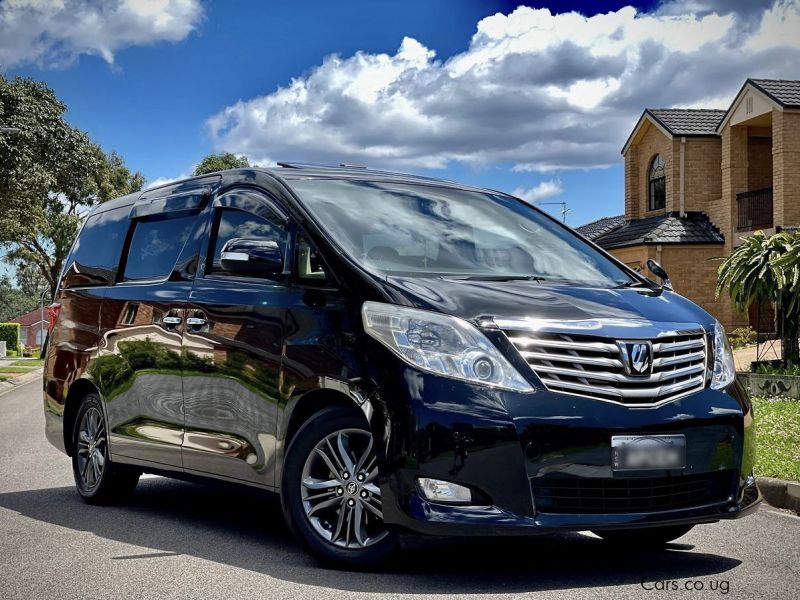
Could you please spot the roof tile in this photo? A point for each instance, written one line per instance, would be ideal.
(688, 121)
(600, 227)
(669, 228)
(785, 92)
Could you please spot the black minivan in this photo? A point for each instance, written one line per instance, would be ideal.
(392, 354)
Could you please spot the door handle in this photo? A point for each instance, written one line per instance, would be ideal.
(170, 320)
(195, 322)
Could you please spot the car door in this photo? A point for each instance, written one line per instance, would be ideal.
(142, 322)
(231, 393)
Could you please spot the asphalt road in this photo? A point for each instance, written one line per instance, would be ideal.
(182, 540)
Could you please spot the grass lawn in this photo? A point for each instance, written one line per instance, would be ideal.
(28, 363)
(778, 438)
(6, 370)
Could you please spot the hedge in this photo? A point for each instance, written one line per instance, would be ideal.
(9, 333)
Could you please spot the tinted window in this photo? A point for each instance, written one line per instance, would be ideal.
(429, 231)
(95, 256)
(156, 246)
(233, 223)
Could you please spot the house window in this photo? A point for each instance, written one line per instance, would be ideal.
(657, 184)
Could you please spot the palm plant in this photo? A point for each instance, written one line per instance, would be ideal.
(767, 269)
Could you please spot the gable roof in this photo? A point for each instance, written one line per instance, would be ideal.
(688, 121)
(600, 227)
(669, 228)
(30, 318)
(783, 91)
(684, 122)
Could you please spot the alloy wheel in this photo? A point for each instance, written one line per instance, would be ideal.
(339, 490)
(91, 448)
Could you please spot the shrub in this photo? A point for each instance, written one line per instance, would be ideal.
(742, 337)
(763, 369)
(9, 333)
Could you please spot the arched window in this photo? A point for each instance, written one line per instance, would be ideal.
(657, 184)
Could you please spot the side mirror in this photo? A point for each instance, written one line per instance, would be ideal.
(251, 257)
(659, 271)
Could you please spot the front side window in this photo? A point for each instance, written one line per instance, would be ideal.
(233, 223)
(657, 184)
(156, 246)
(417, 230)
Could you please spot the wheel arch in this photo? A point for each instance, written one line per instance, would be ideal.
(304, 407)
(77, 391)
(309, 404)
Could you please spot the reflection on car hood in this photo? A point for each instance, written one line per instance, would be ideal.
(477, 300)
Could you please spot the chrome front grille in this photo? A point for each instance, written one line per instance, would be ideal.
(595, 367)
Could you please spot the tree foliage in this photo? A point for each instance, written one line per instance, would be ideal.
(220, 162)
(767, 269)
(13, 301)
(50, 173)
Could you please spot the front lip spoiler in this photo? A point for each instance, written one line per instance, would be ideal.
(439, 519)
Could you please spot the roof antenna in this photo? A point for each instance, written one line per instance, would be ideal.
(564, 210)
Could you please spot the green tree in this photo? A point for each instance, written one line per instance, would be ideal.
(50, 173)
(220, 162)
(13, 301)
(767, 269)
(30, 281)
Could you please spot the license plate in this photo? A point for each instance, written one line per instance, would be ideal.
(638, 452)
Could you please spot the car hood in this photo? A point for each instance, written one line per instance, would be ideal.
(476, 301)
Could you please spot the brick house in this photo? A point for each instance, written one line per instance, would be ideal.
(698, 180)
(31, 328)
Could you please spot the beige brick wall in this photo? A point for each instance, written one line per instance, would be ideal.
(637, 168)
(634, 256)
(734, 180)
(786, 167)
(702, 173)
(693, 271)
(631, 184)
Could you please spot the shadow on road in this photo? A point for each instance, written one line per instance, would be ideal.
(244, 528)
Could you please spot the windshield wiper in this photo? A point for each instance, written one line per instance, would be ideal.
(495, 277)
(630, 284)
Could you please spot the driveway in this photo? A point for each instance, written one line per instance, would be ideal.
(182, 540)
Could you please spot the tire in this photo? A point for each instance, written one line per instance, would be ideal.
(339, 523)
(650, 537)
(97, 479)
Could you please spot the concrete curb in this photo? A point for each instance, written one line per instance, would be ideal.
(8, 386)
(780, 493)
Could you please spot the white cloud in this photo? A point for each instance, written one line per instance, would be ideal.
(544, 189)
(55, 32)
(540, 91)
(164, 180)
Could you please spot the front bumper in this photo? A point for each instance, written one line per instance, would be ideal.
(503, 445)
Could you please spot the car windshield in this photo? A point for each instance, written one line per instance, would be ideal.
(415, 230)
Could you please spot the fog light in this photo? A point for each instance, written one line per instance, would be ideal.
(437, 490)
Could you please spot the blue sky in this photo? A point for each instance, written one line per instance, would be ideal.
(164, 82)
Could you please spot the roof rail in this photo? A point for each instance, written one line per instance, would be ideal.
(306, 165)
(361, 168)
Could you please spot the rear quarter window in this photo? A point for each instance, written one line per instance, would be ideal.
(95, 256)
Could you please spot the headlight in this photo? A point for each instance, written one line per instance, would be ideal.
(441, 344)
(724, 369)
